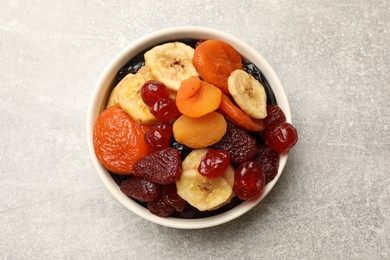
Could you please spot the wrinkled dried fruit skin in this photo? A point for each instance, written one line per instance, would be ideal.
(275, 116)
(140, 188)
(118, 140)
(161, 167)
(269, 160)
(249, 181)
(160, 208)
(170, 197)
(240, 145)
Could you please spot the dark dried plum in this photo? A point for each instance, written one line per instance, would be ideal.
(183, 150)
(130, 67)
(161, 167)
(240, 145)
(256, 73)
(140, 188)
(269, 160)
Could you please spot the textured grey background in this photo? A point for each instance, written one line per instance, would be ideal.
(333, 199)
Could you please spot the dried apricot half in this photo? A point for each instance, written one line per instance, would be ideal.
(118, 140)
(214, 60)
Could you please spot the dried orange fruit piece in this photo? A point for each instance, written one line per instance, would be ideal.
(214, 60)
(118, 140)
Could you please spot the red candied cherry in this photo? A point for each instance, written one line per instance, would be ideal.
(275, 116)
(165, 109)
(281, 138)
(170, 197)
(214, 163)
(152, 90)
(159, 136)
(249, 181)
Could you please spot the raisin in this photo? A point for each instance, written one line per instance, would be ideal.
(183, 150)
(160, 208)
(256, 73)
(269, 160)
(170, 197)
(129, 68)
(140, 188)
(275, 116)
(240, 145)
(161, 167)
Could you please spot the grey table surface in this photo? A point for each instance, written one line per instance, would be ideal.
(333, 199)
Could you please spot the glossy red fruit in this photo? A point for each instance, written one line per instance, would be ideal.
(161, 167)
(281, 138)
(249, 181)
(140, 188)
(165, 110)
(269, 160)
(214, 163)
(159, 136)
(170, 197)
(152, 90)
(275, 116)
(240, 145)
(160, 208)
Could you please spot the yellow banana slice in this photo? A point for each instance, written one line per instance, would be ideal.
(201, 192)
(114, 99)
(129, 96)
(171, 63)
(248, 93)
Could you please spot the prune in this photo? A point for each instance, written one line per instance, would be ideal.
(170, 197)
(275, 116)
(160, 208)
(269, 160)
(256, 73)
(129, 68)
(281, 138)
(161, 167)
(140, 188)
(214, 163)
(152, 90)
(165, 110)
(240, 145)
(249, 181)
(159, 136)
(183, 150)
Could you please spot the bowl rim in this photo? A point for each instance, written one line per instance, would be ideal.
(104, 83)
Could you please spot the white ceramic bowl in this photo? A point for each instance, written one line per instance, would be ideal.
(104, 86)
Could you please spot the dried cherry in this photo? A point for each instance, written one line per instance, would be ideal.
(281, 138)
(249, 181)
(152, 91)
(161, 167)
(275, 116)
(165, 110)
(159, 136)
(214, 163)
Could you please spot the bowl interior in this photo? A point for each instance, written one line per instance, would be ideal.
(105, 84)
